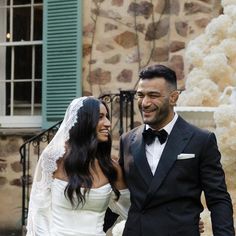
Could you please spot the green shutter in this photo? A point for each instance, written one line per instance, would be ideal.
(62, 57)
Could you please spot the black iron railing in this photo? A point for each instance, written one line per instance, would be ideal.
(121, 107)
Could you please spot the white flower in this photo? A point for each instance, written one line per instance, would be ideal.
(194, 77)
(215, 60)
(227, 46)
(225, 3)
(218, 27)
(193, 97)
(232, 31)
(225, 119)
(219, 70)
(230, 11)
(204, 93)
(199, 41)
(194, 56)
(224, 114)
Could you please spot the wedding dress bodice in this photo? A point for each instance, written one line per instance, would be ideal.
(86, 220)
(54, 215)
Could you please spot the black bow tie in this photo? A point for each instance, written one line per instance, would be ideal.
(149, 136)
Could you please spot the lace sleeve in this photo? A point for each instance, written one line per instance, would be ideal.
(38, 221)
(120, 207)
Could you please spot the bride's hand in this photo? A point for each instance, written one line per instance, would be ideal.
(201, 226)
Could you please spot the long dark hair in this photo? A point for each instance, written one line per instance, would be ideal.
(82, 150)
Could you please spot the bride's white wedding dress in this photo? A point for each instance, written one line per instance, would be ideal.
(86, 220)
(50, 212)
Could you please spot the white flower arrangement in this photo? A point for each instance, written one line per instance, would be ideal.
(212, 57)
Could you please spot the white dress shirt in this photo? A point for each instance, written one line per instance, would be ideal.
(154, 150)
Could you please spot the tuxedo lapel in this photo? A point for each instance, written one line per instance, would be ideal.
(177, 140)
(139, 155)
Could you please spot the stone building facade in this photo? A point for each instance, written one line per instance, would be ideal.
(119, 38)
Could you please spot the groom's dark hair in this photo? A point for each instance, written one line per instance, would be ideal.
(159, 71)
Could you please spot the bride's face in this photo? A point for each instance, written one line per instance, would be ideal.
(103, 126)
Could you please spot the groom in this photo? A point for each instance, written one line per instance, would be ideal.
(167, 171)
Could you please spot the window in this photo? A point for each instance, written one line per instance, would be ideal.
(20, 63)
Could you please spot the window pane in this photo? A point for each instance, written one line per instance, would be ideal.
(38, 22)
(22, 92)
(19, 2)
(23, 62)
(5, 2)
(21, 24)
(8, 35)
(38, 1)
(37, 92)
(38, 62)
(8, 63)
(22, 98)
(8, 98)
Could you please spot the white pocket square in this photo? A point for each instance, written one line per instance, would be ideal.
(183, 156)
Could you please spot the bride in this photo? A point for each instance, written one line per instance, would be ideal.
(75, 179)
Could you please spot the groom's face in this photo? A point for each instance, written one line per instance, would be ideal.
(154, 97)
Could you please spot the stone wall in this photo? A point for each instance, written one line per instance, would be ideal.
(121, 37)
(10, 182)
(11, 178)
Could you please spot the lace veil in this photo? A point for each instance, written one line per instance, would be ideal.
(40, 198)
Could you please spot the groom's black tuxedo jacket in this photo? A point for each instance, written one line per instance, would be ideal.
(168, 203)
